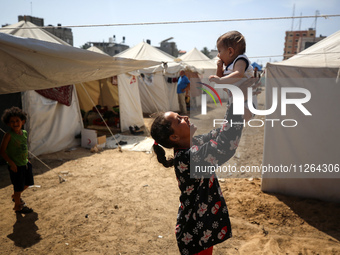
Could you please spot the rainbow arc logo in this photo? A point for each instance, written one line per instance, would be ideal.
(209, 93)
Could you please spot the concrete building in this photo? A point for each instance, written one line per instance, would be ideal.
(292, 41)
(36, 21)
(213, 53)
(169, 47)
(111, 47)
(305, 42)
(63, 33)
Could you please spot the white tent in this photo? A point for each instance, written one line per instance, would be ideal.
(29, 30)
(311, 149)
(204, 65)
(156, 86)
(29, 64)
(96, 49)
(112, 91)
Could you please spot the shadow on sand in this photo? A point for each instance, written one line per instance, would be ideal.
(25, 230)
(50, 161)
(325, 216)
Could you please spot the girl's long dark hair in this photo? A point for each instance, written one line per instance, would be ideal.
(160, 132)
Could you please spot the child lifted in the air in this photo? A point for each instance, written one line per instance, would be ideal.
(233, 65)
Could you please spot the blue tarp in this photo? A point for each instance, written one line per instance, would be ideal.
(257, 65)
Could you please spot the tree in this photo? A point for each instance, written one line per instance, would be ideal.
(206, 52)
(85, 46)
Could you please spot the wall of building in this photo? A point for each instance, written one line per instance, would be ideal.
(305, 42)
(170, 48)
(63, 33)
(292, 41)
(36, 21)
(111, 48)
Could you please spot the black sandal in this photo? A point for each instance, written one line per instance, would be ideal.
(136, 130)
(22, 202)
(25, 210)
(121, 143)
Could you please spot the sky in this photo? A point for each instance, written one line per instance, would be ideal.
(265, 39)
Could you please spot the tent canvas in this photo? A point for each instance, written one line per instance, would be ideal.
(110, 92)
(29, 30)
(156, 93)
(103, 92)
(315, 140)
(45, 115)
(29, 64)
(204, 65)
(95, 49)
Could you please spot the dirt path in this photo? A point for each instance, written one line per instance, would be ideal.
(126, 203)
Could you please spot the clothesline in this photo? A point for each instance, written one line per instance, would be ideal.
(274, 56)
(327, 16)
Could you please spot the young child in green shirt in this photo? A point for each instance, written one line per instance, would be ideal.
(14, 150)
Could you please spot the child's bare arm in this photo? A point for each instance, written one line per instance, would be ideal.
(232, 78)
(3, 147)
(219, 70)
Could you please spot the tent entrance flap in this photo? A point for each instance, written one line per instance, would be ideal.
(118, 98)
(101, 116)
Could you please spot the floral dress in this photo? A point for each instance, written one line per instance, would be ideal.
(203, 218)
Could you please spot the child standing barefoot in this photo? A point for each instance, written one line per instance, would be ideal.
(14, 150)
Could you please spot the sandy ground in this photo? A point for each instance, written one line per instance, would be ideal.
(126, 203)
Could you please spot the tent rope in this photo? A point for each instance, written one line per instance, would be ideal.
(94, 105)
(61, 179)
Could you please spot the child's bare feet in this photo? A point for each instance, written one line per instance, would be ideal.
(22, 202)
(17, 207)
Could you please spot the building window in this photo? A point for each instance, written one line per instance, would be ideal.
(297, 34)
(290, 34)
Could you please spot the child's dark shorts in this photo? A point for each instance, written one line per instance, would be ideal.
(22, 178)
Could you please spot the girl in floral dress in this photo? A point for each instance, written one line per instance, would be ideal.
(203, 218)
